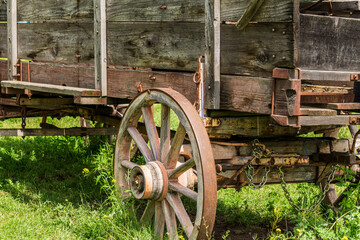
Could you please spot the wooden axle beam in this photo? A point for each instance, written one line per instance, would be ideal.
(50, 88)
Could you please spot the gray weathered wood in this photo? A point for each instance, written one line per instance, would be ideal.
(100, 48)
(12, 39)
(212, 54)
(3, 11)
(255, 51)
(209, 79)
(146, 10)
(49, 88)
(338, 7)
(312, 111)
(217, 58)
(328, 43)
(343, 106)
(255, 97)
(341, 120)
(319, 75)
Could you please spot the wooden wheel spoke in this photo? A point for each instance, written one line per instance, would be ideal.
(140, 142)
(177, 187)
(175, 173)
(148, 213)
(170, 220)
(174, 152)
(159, 223)
(179, 209)
(128, 164)
(151, 130)
(165, 132)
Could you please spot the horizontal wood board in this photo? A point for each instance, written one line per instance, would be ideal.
(146, 10)
(123, 83)
(254, 51)
(329, 43)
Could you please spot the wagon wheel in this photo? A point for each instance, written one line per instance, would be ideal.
(164, 181)
(332, 198)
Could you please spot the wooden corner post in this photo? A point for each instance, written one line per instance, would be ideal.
(12, 40)
(212, 54)
(100, 51)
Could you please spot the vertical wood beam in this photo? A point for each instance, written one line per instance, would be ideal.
(212, 53)
(100, 50)
(12, 40)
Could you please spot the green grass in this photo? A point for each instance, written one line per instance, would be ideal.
(47, 193)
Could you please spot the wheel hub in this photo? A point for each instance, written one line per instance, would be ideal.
(149, 181)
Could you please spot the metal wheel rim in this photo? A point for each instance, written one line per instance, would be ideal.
(202, 155)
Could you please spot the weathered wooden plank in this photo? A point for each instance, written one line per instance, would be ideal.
(328, 43)
(336, 6)
(3, 40)
(100, 49)
(3, 70)
(231, 10)
(54, 10)
(146, 10)
(255, 51)
(343, 106)
(318, 75)
(312, 111)
(246, 94)
(309, 88)
(340, 120)
(12, 39)
(261, 126)
(209, 77)
(310, 97)
(2, 11)
(45, 101)
(292, 175)
(123, 83)
(50, 88)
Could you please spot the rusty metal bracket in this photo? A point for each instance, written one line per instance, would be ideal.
(211, 122)
(354, 120)
(355, 77)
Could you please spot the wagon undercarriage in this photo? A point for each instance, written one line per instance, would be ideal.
(242, 92)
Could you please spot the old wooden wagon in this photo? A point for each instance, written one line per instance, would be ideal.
(244, 78)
